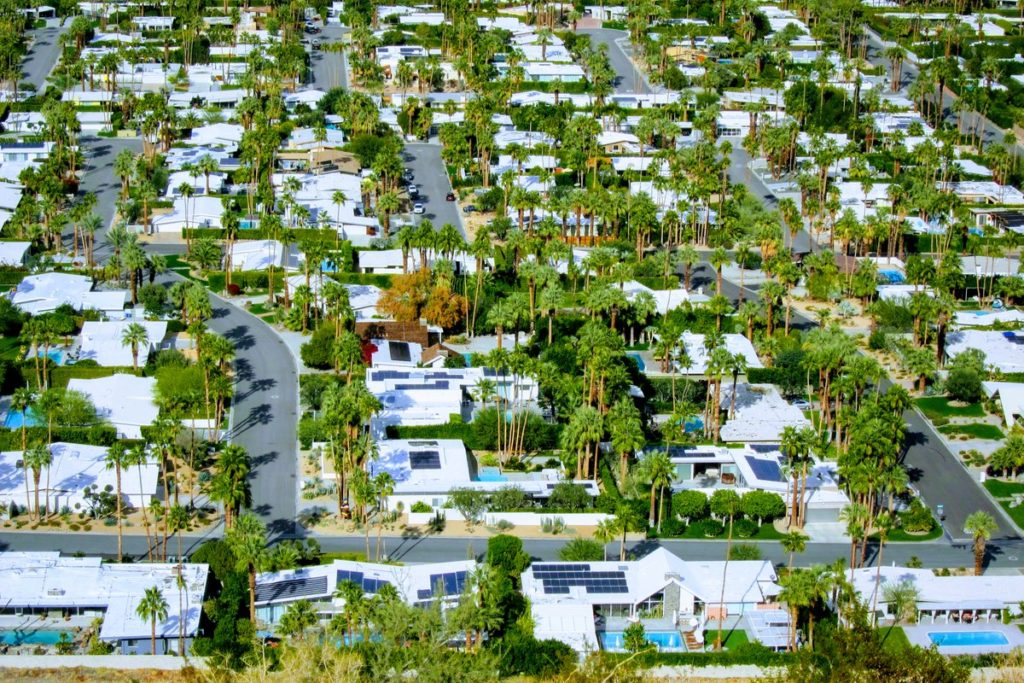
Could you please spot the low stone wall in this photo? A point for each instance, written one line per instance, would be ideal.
(119, 662)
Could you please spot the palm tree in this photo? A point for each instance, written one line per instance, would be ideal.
(134, 335)
(793, 542)
(607, 530)
(354, 606)
(719, 259)
(35, 459)
(660, 471)
(733, 508)
(248, 540)
(627, 432)
(139, 457)
(151, 608)
(883, 525)
(116, 459)
(21, 401)
(981, 526)
(796, 593)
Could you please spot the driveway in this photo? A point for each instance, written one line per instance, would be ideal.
(99, 179)
(329, 67)
(264, 418)
(629, 79)
(430, 178)
(43, 52)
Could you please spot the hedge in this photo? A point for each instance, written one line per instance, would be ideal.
(748, 653)
(293, 235)
(97, 435)
(452, 430)
(60, 376)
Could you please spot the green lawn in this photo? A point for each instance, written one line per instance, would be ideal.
(1016, 513)
(901, 536)
(974, 430)
(1003, 489)
(936, 406)
(894, 639)
(767, 532)
(258, 309)
(731, 639)
(10, 348)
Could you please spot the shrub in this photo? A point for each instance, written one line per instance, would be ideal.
(690, 505)
(470, 503)
(506, 552)
(709, 528)
(671, 526)
(420, 506)
(744, 551)
(316, 353)
(744, 528)
(520, 654)
(311, 430)
(569, 496)
(234, 289)
(508, 498)
(917, 518)
(153, 297)
(725, 502)
(552, 525)
(762, 505)
(964, 384)
(539, 435)
(581, 550)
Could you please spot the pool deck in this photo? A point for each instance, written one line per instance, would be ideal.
(918, 635)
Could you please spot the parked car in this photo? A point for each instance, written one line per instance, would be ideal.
(940, 511)
(413, 191)
(802, 404)
(407, 174)
(469, 209)
(450, 197)
(312, 29)
(418, 208)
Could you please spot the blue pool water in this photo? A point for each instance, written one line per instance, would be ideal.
(639, 361)
(665, 640)
(328, 266)
(491, 474)
(968, 638)
(894, 277)
(248, 224)
(693, 423)
(15, 419)
(56, 355)
(31, 637)
(469, 359)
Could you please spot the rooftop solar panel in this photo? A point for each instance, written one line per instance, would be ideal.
(451, 583)
(291, 588)
(765, 470)
(346, 575)
(558, 579)
(424, 460)
(399, 351)
(373, 586)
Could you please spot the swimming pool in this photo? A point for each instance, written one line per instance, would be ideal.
(894, 277)
(15, 419)
(248, 224)
(665, 640)
(639, 361)
(56, 355)
(694, 423)
(41, 637)
(491, 474)
(968, 638)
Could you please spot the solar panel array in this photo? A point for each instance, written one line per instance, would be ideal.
(435, 386)
(442, 585)
(382, 375)
(399, 351)
(765, 470)
(371, 586)
(291, 588)
(558, 579)
(424, 460)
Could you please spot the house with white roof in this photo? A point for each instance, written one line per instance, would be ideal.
(390, 354)
(13, 254)
(984, 192)
(698, 354)
(101, 341)
(1003, 351)
(224, 135)
(942, 599)
(551, 72)
(305, 139)
(363, 300)
(74, 467)
(38, 584)
(687, 594)
(262, 254)
(758, 414)
(190, 212)
(46, 292)
(419, 585)
(198, 183)
(529, 139)
(124, 400)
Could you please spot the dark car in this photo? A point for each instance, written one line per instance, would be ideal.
(469, 209)
(450, 197)
(311, 29)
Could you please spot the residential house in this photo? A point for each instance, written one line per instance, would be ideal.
(123, 400)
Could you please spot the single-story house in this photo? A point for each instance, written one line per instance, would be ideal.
(125, 401)
(1003, 351)
(13, 254)
(101, 341)
(190, 212)
(39, 584)
(698, 354)
(761, 414)
(46, 292)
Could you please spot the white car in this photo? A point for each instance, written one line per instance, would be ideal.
(418, 208)
(413, 191)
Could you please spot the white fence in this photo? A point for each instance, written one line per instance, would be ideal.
(571, 519)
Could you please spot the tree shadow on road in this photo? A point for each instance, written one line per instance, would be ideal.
(241, 337)
(260, 415)
(264, 459)
(243, 370)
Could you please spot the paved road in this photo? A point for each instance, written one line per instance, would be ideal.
(42, 55)
(934, 471)
(629, 79)
(99, 179)
(430, 178)
(1003, 556)
(329, 67)
(908, 73)
(740, 174)
(265, 415)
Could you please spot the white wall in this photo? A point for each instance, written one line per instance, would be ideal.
(517, 518)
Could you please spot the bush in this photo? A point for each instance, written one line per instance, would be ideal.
(539, 435)
(709, 528)
(581, 550)
(725, 502)
(506, 552)
(964, 384)
(520, 654)
(317, 352)
(508, 498)
(917, 518)
(311, 430)
(569, 496)
(420, 506)
(153, 297)
(744, 551)
(764, 506)
(744, 528)
(690, 505)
